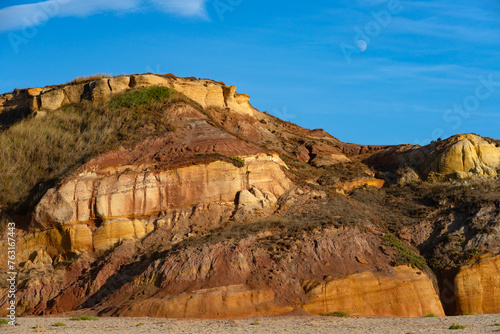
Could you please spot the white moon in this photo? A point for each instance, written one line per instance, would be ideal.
(362, 45)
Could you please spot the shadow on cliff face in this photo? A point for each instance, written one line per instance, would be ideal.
(11, 117)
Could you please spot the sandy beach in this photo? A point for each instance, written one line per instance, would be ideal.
(284, 324)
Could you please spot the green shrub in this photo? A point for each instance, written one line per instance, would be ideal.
(255, 323)
(83, 317)
(141, 97)
(58, 324)
(405, 254)
(338, 314)
(140, 324)
(457, 327)
(467, 313)
(430, 315)
(239, 161)
(4, 322)
(474, 252)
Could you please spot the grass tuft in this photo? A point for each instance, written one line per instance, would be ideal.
(338, 314)
(141, 97)
(430, 315)
(457, 327)
(405, 254)
(239, 161)
(4, 322)
(59, 324)
(87, 78)
(255, 323)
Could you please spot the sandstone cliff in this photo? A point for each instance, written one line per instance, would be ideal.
(477, 287)
(207, 93)
(461, 156)
(213, 209)
(405, 293)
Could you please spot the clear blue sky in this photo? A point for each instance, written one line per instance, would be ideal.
(417, 79)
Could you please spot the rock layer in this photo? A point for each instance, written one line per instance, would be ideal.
(477, 286)
(126, 202)
(406, 293)
(234, 301)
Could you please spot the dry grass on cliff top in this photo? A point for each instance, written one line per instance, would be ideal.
(36, 152)
(88, 78)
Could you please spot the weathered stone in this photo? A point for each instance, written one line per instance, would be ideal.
(148, 80)
(235, 301)
(78, 238)
(52, 100)
(403, 294)
(34, 91)
(477, 286)
(207, 93)
(257, 193)
(75, 92)
(246, 198)
(407, 175)
(349, 186)
(470, 153)
(41, 258)
(143, 193)
(53, 210)
(100, 89)
(119, 84)
(113, 232)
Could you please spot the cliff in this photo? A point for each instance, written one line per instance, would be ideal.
(153, 195)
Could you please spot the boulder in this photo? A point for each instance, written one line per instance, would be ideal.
(469, 153)
(119, 84)
(245, 197)
(53, 210)
(100, 89)
(52, 99)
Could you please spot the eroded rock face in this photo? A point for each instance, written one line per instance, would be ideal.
(126, 202)
(213, 277)
(207, 93)
(234, 301)
(477, 286)
(204, 221)
(460, 156)
(405, 293)
(469, 154)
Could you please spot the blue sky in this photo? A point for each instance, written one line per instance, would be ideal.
(430, 68)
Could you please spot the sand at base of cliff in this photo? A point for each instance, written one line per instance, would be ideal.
(283, 324)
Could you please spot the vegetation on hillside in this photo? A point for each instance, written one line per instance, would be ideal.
(35, 152)
(405, 255)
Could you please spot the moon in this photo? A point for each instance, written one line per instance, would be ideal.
(362, 45)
